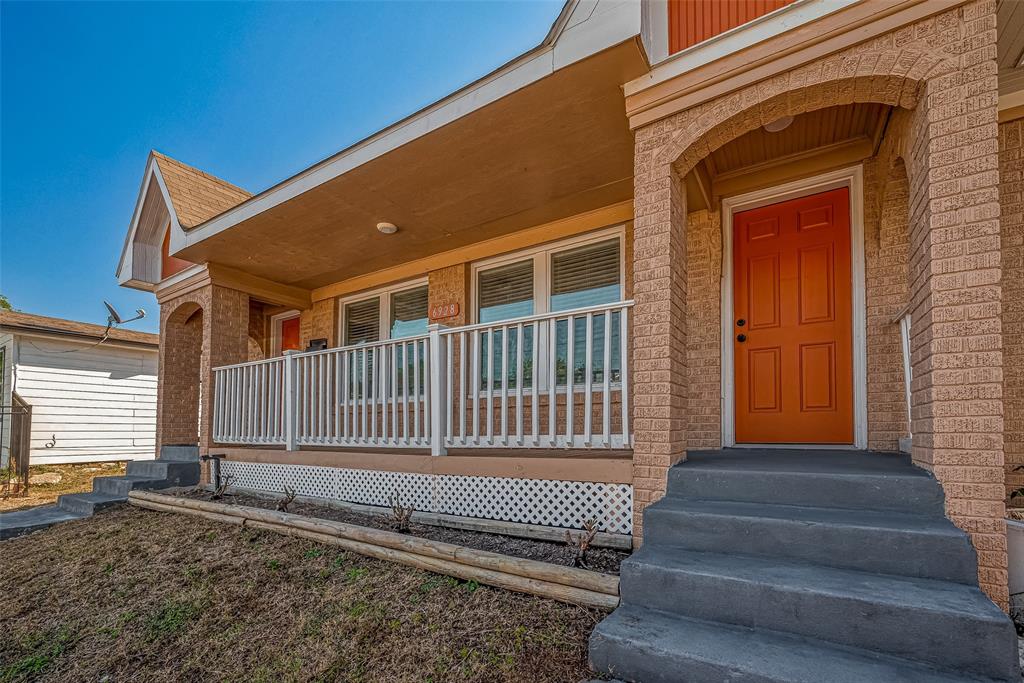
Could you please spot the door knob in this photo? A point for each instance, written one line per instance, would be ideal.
(741, 338)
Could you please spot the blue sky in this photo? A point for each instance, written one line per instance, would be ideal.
(251, 92)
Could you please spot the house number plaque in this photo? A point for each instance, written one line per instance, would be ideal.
(441, 311)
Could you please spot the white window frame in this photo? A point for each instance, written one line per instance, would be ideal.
(384, 295)
(542, 257)
(275, 330)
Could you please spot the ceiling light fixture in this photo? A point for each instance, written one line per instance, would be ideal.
(779, 124)
(387, 228)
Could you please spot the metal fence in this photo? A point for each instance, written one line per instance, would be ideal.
(15, 442)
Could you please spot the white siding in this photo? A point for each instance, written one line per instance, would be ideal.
(7, 355)
(94, 403)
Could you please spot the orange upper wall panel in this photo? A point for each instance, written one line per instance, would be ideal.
(693, 21)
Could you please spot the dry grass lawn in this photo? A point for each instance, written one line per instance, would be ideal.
(147, 596)
(74, 479)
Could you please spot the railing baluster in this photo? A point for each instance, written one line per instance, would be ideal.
(490, 386)
(627, 435)
(552, 380)
(394, 393)
(606, 384)
(588, 369)
(476, 387)
(519, 384)
(504, 385)
(534, 381)
(570, 379)
(405, 393)
(416, 390)
(449, 386)
(462, 388)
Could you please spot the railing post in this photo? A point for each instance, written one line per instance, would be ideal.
(290, 400)
(438, 389)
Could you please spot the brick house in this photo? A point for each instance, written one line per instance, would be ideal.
(673, 228)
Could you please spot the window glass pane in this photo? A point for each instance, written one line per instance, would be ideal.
(579, 346)
(505, 292)
(409, 313)
(362, 321)
(587, 276)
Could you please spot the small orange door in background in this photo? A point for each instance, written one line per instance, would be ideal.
(792, 321)
(290, 334)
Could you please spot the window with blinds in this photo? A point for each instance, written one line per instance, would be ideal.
(586, 276)
(362, 321)
(505, 292)
(409, 312)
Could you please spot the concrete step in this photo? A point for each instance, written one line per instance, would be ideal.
(23, 522)
(923, 546)
(179, 453)
(172, 472)
(120, 486)
(86, 504)
(810, 478)
(640, 644)
(947, 625)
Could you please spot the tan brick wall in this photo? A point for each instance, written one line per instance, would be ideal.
(704, 331)
(659, 325)
(320, 321)
(450, 286)
(1011, 199)
(199, 331)
(943, 69)
(259, 337)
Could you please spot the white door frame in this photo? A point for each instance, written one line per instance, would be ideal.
(853, 178)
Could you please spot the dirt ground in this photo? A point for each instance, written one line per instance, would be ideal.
(74, 479)
(138, 595)
(597, 559)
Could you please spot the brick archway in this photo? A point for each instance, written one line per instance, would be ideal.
(939, 73)
(181, 364)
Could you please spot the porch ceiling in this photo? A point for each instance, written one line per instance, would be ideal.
(557, 147)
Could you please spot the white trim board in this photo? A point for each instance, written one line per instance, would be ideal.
(852, 178)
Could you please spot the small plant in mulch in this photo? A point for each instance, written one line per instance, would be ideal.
(580, 543)
(400, 515)
(289, 497)
(222, 487)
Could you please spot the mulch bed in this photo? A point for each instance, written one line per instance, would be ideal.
(137, 595)
(604, 560)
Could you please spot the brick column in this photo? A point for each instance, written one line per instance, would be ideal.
(225, 342)
(659, 329)
(956, 349)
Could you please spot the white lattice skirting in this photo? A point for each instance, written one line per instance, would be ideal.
(532, 501)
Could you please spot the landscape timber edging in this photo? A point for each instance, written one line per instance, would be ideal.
(566, 584)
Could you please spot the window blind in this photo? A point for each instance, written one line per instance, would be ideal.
(409, 312)
(362, 321)
(505, 292)
(586, 276)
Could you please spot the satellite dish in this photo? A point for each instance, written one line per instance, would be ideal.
(113, 317)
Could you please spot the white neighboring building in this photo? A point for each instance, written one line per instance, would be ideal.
(91, 400)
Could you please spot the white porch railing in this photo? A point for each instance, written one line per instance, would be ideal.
(557, 380)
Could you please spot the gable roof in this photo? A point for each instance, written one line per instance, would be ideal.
(197, 196)
(29, 322)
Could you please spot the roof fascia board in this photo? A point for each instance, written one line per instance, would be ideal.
(610, 23)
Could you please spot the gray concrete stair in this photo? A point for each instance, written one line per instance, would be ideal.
(764, 565)
(818, 602)
(820, 535)
(640, 644)
(176, 466)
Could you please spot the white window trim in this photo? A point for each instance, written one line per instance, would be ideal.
(853, 178)
(275, 330)
(542, 255)
(382, 293)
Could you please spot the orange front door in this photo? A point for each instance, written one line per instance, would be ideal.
(792, 321)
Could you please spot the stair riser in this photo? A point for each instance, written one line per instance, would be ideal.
(903, 629)
(627, 661)
(180, 453)
(173, 473)
(119, 486)
(887, 551)
(80, 506)
(870, 492)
